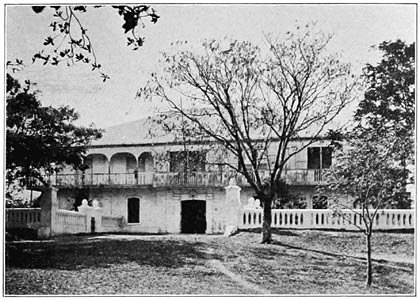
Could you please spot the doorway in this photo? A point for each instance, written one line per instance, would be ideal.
(193, 217)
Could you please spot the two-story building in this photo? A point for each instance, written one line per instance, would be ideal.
(163, 186)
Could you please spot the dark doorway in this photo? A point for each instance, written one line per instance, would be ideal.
(133, 209)
(193, 217)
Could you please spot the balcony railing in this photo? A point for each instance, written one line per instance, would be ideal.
(303, 176)
(159, 179)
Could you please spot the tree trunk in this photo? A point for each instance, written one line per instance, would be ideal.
(369, 261)
(266, 226)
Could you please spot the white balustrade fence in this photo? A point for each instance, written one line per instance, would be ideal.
(23, 218)
(326, 219)
(70, 222)
(49, 221)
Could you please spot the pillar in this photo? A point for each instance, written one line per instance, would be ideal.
(49, 207)
(232, 208)
(309, 201)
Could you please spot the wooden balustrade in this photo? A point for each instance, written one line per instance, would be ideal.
(197, 178)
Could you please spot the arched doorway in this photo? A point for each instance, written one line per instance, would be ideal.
(193, 216)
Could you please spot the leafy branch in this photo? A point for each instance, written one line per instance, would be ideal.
(70, 43)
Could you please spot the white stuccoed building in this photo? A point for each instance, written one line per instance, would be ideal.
(145, 180)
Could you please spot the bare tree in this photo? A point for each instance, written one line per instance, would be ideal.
(254, 103)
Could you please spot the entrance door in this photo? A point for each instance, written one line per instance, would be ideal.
(193, 216)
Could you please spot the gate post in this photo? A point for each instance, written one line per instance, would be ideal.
(49, 207)
(232, 208)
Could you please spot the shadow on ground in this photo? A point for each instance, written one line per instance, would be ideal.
(87, 253)
(402, 266)
(274, 231)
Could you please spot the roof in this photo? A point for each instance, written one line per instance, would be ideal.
(140, 132)
(135, 132)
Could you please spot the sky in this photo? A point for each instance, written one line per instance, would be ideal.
(356, 28)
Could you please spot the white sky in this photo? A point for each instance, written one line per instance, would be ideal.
(355, 27)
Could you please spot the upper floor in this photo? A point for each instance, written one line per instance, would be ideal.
(160, 165)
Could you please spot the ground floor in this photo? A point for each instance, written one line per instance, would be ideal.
(183, 210)
(171, 210)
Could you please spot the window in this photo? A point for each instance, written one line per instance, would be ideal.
(133, 210)
(319, 157)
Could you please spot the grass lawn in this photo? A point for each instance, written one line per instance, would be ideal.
(298, 262)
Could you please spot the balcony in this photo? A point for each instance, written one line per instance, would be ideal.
(167, 179)
(303, 176)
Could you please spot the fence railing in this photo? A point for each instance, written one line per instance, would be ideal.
(327, 219)
(70, 222)
(303, 176)
(189, 179)
(72, 218)
(23, 218)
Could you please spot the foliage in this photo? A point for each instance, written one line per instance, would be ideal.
(287, 199)
(253, 105)
(38, 138)
(372, 166)
(366, 171)
(388, 106)
(69, 41)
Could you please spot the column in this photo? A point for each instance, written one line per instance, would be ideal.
(232, 208)
(49, 207)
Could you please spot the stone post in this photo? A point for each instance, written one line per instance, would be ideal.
(49, 207)
(232, 208)
(309, 201)
(96, 213)
(83, 209)
(307, 218)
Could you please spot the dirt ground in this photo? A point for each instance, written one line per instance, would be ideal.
(298, 262)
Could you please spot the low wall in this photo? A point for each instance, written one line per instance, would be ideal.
(23, 218)
(326, 219)
(70, 222)
(51, 221)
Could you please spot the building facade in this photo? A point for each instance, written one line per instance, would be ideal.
(161, 186)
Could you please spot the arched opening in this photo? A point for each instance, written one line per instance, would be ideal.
(97, 169)
(145, 162)
(145, 169)
(193, 216)
(123, 168)
(133, 210)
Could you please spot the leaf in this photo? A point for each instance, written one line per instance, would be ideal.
(49, 41)
(95, 66)
(104, 77)
(38, 9)
(131, 21)
(80, 8)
